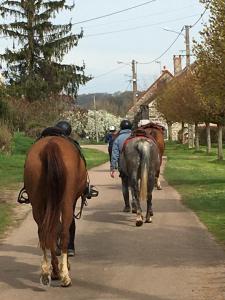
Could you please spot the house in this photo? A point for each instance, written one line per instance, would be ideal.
(145, 107)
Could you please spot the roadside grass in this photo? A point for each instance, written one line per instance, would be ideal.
(200, 179)
(5, 216)
(11, 171)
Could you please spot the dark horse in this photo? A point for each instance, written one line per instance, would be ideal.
(55, 177)
(157, 132)
(139, 162)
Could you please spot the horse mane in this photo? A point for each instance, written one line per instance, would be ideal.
(54, 174)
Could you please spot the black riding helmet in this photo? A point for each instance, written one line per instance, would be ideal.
(125, 124)
(65, 126)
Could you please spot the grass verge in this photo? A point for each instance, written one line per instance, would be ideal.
(200, 179)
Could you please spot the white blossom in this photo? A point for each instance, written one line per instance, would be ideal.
(86, 122)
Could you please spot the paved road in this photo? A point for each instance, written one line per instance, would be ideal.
(174, 258)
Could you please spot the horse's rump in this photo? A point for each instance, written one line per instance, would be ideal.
(49, 173)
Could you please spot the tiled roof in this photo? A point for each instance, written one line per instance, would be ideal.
(148, 96)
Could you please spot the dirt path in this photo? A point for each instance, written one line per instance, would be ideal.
(174, 258)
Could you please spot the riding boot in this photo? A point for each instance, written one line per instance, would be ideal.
(134, 207)
(71, 248)
(125, 191)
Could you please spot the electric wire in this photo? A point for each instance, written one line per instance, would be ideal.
(114, 13)
(109, 72)
(171, 45)
(138, 27)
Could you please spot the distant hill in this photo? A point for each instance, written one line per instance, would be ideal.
(117, 103)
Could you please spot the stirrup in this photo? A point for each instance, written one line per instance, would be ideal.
(91, 192)
(23, 197)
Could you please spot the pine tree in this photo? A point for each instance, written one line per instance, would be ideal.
(35, 70)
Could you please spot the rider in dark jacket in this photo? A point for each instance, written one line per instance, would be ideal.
(125, 132)
(110, 137)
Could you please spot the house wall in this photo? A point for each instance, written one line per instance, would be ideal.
(156, 117)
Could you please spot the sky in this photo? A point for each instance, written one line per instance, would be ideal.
(137, 34)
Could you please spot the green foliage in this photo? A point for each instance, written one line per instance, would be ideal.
(178, 100)
(211, 61)
(34, 68)
(201, 184)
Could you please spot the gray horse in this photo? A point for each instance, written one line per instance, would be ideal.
(139, 163)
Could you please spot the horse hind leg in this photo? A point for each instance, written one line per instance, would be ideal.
(64, 271)
(158, 184)
(45, 277)
(149, 212)
(157, 181)
(64, 266)
(55, 274)
(136, 202)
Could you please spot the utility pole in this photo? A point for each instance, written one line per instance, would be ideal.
(187, 42)
(96, 126)
(134, 81)
(188, 63)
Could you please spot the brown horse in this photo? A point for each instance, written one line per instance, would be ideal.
(55, 177)
(157, 132)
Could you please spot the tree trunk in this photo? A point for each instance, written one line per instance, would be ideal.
(220, 142)
(182, 133)
(196, 137)
(190, 136)
(170, 136)
(208, 138)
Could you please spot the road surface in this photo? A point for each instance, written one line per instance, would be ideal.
(174, 258)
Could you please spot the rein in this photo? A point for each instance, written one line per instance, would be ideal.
(83, 203)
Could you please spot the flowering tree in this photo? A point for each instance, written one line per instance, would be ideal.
(86, 123)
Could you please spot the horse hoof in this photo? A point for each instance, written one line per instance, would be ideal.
(66, 282)
(134, 210)
(159, 188)
(148, 220)
(139, 222)
(55, 276)
(45, 280)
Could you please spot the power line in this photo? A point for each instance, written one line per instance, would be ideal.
(150, 62)
(196, 22)
(114, 13)
(109, 72)
(139, 17)
(193, 25)
(132, 28)
(139, 27)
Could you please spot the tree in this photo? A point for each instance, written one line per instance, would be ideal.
(35, 70)
(210, 65)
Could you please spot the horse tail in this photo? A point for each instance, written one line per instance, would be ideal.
(143, 149)
(54, 178)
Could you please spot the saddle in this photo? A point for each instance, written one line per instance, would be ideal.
(154, 125)
(54, 131)
(137, 134)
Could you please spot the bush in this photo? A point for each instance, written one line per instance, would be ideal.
(5, 139)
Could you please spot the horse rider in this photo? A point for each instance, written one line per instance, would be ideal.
(110, 137)
(124, 133)
(63, 128)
